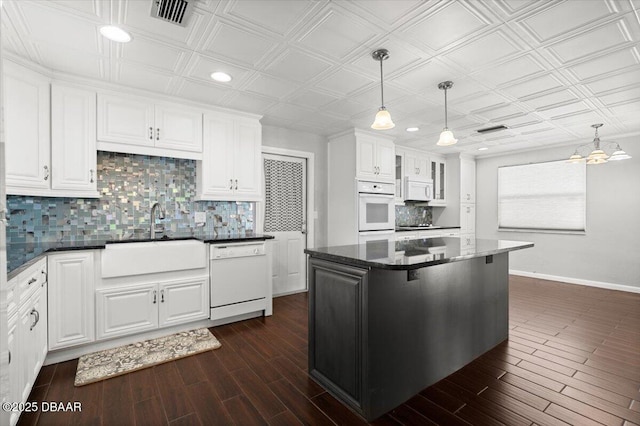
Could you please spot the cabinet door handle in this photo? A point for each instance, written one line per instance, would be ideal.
(31, 281)
(161, 296)
(151, 133)
(155, 296)
(468, 209)
(230, 183)
(236, 184)
(90, 175)
(157, 133)
(46, 172)
(46, 277)
(37, 315)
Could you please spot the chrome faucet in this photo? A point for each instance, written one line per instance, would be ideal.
(161, 213)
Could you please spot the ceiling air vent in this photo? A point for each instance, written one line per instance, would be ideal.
(174, 11)
(492, 129)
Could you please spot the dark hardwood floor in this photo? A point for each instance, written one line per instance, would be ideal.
(573, 357)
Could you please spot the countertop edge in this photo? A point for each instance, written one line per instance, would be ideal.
(394, 267)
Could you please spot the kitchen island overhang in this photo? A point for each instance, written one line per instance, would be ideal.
(388, 319)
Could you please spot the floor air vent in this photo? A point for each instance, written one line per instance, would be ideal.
(174, 11)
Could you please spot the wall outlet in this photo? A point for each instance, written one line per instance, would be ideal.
(201, 217)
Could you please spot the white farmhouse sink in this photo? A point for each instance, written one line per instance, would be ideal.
(125, 259)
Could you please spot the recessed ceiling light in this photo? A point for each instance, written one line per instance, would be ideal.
(484, 148)
(220, 76)
(412, 129)
(116, 34)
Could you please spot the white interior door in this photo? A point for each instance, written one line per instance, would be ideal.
(285, 219)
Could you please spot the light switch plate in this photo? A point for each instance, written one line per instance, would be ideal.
(201, 217)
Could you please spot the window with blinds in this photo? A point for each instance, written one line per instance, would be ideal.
(543, 196)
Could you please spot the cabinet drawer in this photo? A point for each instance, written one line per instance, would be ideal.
(31, 279)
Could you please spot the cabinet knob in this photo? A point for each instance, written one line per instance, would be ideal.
(230, 183)
(91, 175)
(236, 184)
(46, 172)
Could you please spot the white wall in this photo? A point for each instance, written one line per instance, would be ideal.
(609, 252)
(300, 141)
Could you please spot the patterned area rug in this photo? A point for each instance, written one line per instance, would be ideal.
(102, 365)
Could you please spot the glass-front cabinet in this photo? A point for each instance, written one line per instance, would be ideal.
(399, 193)
(439, 176)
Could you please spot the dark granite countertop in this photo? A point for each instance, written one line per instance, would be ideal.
(414, 254)
(22, 255)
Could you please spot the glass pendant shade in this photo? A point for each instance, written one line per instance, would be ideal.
(446, 138)
(597, 154)
(597, 161)
(619, 154)
(575, 158)
(383, 120)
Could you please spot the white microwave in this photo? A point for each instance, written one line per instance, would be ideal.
(417, 189)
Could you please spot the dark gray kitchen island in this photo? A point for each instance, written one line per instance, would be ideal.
(390, 318)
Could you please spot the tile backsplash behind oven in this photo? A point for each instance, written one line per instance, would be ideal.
(129, 185)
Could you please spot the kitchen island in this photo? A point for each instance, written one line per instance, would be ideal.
(390, 318)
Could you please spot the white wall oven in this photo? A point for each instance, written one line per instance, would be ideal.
(376, 207)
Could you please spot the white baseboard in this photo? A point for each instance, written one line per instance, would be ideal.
(579, 281)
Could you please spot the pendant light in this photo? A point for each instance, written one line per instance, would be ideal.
(597, 154)
(383, 118)
(446, 137)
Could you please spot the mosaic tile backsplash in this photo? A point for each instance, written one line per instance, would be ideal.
(410, 215)
(129, 185)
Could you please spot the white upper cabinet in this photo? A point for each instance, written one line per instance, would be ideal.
(439, 176)
(416, 164)
(375, 158)
(142, 126)
(73, 140)
(124, 120)
(467, 181)
(26, 119)
(51, 137)
(231, 169)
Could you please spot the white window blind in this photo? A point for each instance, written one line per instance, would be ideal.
(542, 196)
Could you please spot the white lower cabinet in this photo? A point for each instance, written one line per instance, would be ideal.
(124, 310)
(32, 339)
(71, 302)
(15, 368)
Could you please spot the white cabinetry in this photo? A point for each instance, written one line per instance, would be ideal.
(27, 331)
(26, 119)
(51, 137)
(355, 155)
(73, 141)
(417, 164)
(467, 180)
(231, 166)
(71, 299)
(143, 126)
(439, 177)
(131, 309)
(375, 158)
(467, 218)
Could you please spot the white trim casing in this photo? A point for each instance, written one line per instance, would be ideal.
(579, 281)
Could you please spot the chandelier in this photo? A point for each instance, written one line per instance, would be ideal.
(597, 151)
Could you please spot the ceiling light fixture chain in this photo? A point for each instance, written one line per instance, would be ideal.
(383, 118)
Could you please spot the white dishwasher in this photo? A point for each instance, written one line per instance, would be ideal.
(239, 279)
